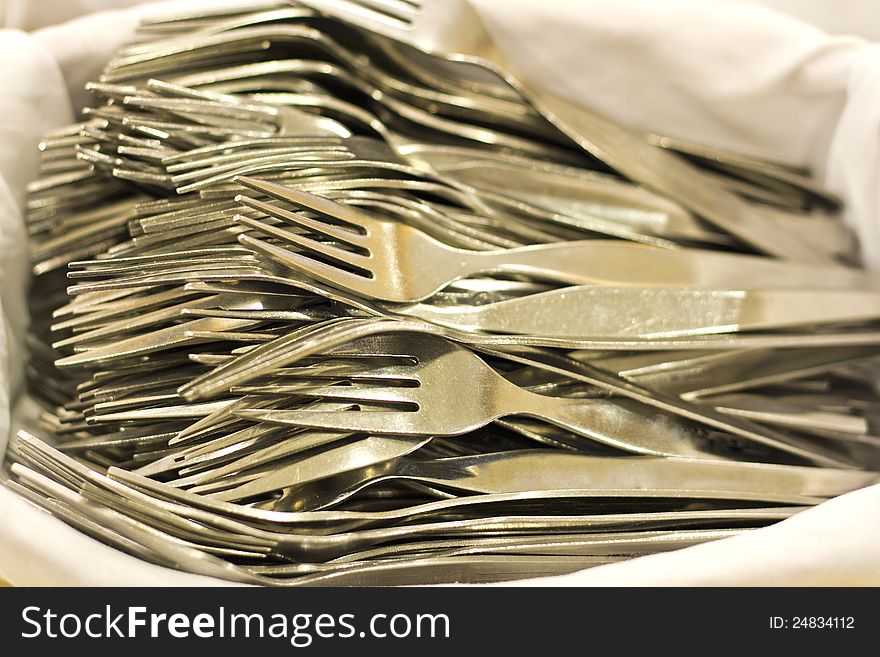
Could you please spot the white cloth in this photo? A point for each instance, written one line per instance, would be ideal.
(833, 16)
(726, 73)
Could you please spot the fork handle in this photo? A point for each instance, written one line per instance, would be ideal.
(619, 424)
(612, 261)
(630, 311)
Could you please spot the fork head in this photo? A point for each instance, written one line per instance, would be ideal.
(434, 406)
(370, 256)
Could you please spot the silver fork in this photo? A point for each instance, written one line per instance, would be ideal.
(452, 31)
(397, 262)
(440, 405)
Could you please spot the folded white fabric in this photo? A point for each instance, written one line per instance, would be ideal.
(726, 73)
(832, 16)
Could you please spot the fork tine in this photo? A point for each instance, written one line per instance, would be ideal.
(355, 13)
(126, 325)
(234, 165)
(374, 422)
(215, 463)
(368, 451)
(203, 107)
(307, 243)
(312, 202)
(160, 340)
(218, 487)
(226, 146)
(222, 419)
(103, 315)
(259, 361)
(163, 412)
(354, 392)
(403, 11)
(344, 368)
(230, 176)
(362, 371)
(226, 444)
(350, 237)
(242, 155)
(321, 271)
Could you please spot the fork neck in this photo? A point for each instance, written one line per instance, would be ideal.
(516, 400)
(615, 424)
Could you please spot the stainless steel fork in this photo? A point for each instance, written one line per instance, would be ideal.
(396, 262)
(439, 405)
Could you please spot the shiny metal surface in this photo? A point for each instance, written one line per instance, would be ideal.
(326, 295)
(435, 28)
(403, 264)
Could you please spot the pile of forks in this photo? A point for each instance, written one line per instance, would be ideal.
(325, 295)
